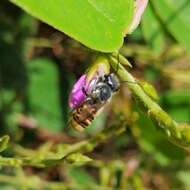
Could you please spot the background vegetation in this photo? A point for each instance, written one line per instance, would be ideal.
(38, 66)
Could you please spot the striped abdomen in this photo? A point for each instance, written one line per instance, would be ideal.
(83, 115)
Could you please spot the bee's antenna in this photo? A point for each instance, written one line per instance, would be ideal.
(67, 123)
(135, 82)
(117, 69)
(117, 63)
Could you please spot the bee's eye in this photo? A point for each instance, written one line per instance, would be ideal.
(113, 82)
(105, 93)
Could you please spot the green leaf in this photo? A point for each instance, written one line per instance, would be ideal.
(175, 15)
(78, 159)
(100, 25)
(152, 30)
(81, 177)
(4, 142)
(44, 94)
(149, 90)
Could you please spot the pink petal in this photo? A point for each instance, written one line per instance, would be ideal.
(77, 96)
(86, 82)
(139, 10)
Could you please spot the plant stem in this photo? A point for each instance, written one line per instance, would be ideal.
(177, 133)
(48, 155)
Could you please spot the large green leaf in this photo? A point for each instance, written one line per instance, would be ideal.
(176, 17)
(98, 24)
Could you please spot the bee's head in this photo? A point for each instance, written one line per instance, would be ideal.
(104, 87)
(112, 81)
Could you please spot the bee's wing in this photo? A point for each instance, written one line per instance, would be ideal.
(89, 112)
(69, 121)
(98, 109)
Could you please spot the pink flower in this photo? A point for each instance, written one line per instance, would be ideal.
(77, 95)
(86, 82)
(80, 90)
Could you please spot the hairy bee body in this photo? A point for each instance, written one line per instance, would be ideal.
(102, 91)
(84, 114)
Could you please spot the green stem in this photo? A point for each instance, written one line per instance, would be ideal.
(177, 133)
(34, 182)
(48, 155)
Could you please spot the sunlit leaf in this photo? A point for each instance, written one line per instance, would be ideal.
(98, 24)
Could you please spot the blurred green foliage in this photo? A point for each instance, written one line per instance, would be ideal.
(38, 66)
(43, 93)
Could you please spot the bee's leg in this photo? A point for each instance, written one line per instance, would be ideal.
(89, 96)
(135, 82)
(117, 68)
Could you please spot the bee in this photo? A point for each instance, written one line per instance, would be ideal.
(101, 92)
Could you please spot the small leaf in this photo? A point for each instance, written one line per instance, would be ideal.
(149, 90)
(4, 142)
(78, 159)
(121, 59)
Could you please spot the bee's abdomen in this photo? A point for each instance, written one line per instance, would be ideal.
(84, 115)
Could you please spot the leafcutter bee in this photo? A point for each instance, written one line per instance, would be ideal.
(102, 89)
